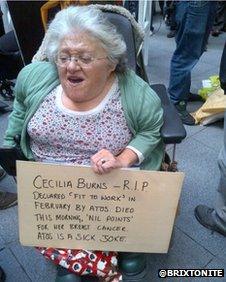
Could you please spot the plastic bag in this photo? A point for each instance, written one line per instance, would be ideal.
(209, 86)
(213, 109)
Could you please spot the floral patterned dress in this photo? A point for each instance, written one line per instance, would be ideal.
(60, 135)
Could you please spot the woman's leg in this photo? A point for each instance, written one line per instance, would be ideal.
(132, 263)
(63, 275)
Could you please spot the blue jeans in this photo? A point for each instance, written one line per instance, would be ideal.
(194, 21)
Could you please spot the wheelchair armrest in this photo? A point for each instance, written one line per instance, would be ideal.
(173, 130)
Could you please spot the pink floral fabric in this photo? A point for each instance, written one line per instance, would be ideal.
(64, 136)
(61, 135)
(82, 262)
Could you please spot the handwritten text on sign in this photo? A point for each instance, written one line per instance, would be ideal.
(72, 207)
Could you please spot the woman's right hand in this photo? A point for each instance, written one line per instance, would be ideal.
(104, 161)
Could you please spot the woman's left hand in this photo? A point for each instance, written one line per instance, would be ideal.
(104, 161)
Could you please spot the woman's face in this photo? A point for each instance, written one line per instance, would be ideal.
(84, 83)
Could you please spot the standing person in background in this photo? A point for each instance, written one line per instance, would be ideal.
(222, 74)
(1, 24)
(169, 16)
(219, 25)
(215, 219)
(10, 59)
(194, 20)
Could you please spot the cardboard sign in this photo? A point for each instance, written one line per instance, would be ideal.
(66, 206)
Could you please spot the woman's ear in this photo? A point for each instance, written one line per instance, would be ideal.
(112, 66)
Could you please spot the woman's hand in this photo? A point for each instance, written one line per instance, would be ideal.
(104, 161)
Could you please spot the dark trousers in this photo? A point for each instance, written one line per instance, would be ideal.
(223, 70)
(221, 205)
(220, 17)
(170, 13)
(194, 21)
(2, 31)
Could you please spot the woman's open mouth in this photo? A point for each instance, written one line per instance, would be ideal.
(75, 80)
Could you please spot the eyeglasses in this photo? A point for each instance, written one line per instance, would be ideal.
(83, 61)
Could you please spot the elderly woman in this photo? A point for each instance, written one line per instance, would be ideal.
(85, 107)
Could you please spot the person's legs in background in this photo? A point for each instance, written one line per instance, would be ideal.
(222, 73)
(170, 18)
(215, 219)
(2, 173)
(7, 199)
(161, 5)
(2, 31)
(10, 63)
(193, 25)
(220, 19)
(221, 205)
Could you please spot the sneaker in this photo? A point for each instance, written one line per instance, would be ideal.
(215, 32)
(184, 114)
(205, 216)
(7, 200)
(171, 34)
(2, 173)
(194, 97)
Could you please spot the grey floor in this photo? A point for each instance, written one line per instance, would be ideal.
(192, 245)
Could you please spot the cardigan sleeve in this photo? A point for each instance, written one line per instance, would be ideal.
(147, 121)
(33, 80)
(16, 118)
